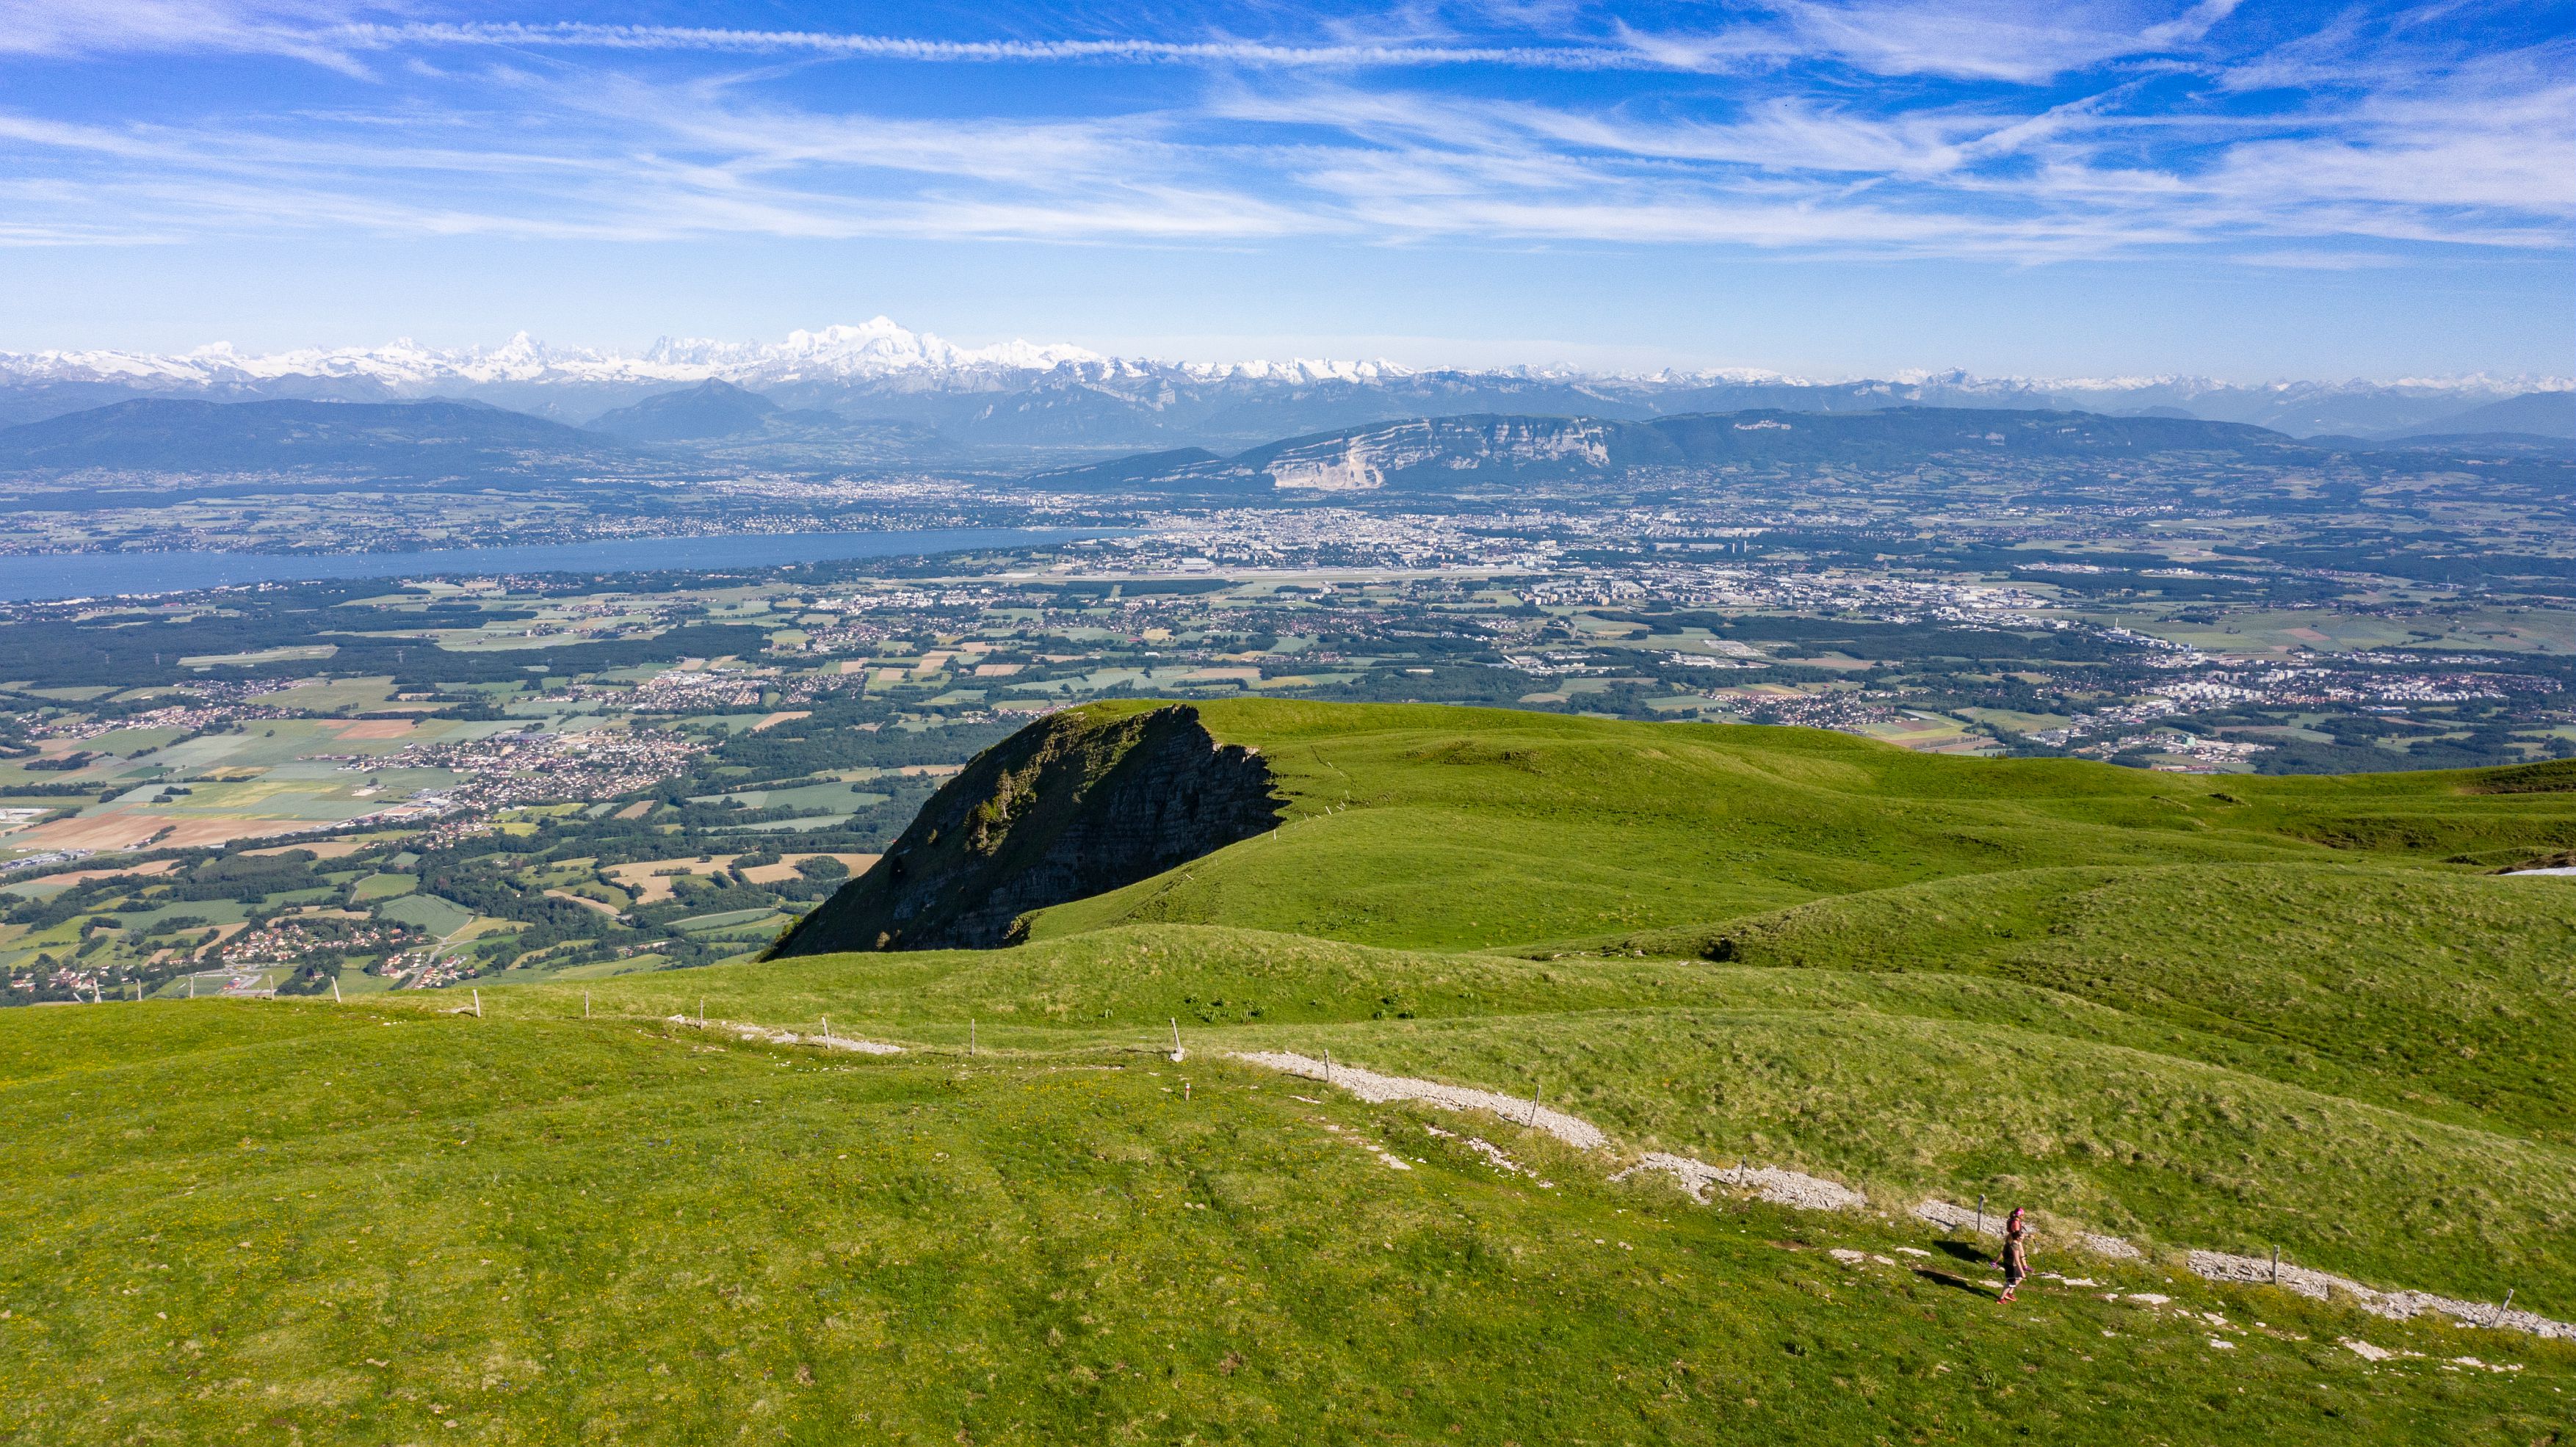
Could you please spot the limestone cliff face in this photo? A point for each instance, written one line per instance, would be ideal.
(1074, 805)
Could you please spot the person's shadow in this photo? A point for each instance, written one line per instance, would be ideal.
(1938, 1276)
(1965, 1253)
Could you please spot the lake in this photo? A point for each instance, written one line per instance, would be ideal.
(101, 575)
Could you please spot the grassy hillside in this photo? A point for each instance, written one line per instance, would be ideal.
(2192, 1012)
(1478, 828)
(2441, 994)
(1904, 1082)
(362, 1223)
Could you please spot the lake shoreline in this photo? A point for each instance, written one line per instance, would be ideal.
(63, 577)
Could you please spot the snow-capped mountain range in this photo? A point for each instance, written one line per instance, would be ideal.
(1023, 393)
(871, 350)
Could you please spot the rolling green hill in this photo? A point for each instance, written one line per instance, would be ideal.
(2188, 1012)
(2440, 994)
(363, 1223)
(1485, 828)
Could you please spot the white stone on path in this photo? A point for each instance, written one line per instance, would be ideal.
(1378, 1089)
(1781, 1188)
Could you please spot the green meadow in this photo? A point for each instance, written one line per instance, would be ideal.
(2187, 1011)
(1488, 828)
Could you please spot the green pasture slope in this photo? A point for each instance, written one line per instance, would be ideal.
(363, 1223)
(2194, 1012)
(1485, 828)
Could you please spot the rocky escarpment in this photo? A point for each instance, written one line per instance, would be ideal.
(1074, 805)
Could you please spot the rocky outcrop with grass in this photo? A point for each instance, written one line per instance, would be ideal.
(1076, 804)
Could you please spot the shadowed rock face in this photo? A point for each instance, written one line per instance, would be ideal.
(1069, 807)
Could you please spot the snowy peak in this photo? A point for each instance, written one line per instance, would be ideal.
(1302, 371)
(1059, 393)
(399, 364)
(875, 348)
(880, 347)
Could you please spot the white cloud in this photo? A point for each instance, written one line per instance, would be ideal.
(1997, 39)
(577, 35)
(628, 132)
(294, 28)
(2023, 41)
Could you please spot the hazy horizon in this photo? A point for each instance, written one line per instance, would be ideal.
(1400, 354)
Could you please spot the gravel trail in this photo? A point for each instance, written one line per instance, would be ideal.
(2395, 1305)
(1781, 1188)
(1790, 1188)
(1378, 1089)
(1787, 1188)
(763, 1035)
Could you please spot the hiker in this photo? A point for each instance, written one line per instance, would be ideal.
(2016, 1258)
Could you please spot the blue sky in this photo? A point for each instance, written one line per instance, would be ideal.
(1838, 187)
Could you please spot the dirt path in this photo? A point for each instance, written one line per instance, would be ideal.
(1781, 1188)
(763, 1035)
(1811, 1193)
(2395, 1305)
(1378, 1089)
(1787, 1188)
(585, 901)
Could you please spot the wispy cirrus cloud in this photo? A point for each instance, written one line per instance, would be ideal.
(2000, 39)
(298, 29)
(1993, 40)
(1886, 127)
(579, 35)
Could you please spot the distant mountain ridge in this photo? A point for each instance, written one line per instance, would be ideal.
(707, 410)
(1030, 395)
(2534, 414)
(719, 419)
(714, 422)
(710, 411)
(407, 439)
(1442, 453)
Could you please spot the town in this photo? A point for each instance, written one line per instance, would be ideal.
(443, 779)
